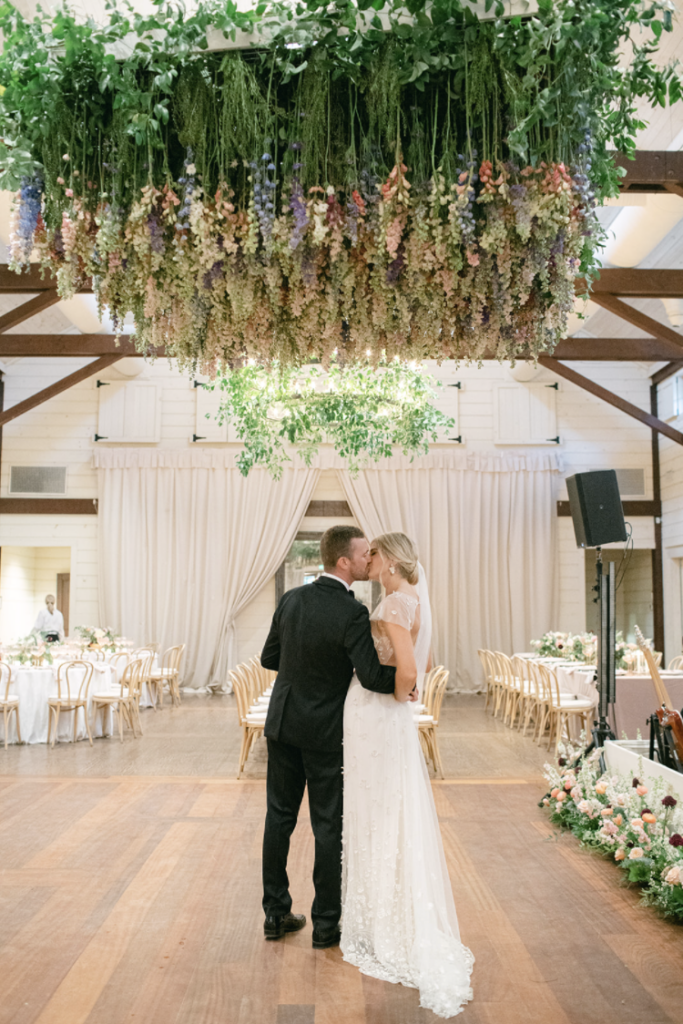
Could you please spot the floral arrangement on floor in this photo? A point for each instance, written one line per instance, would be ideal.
(639, 826)
(98, 639)
(583, 647)
(410, 181)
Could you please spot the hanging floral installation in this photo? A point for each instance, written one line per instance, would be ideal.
(357, 181)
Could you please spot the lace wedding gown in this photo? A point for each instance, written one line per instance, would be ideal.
(398, 921)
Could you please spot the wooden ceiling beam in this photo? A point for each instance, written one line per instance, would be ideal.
(608, 396)
(667, 371)
(641, 350)
(634, 316)
(651, 170)
(28, 309)
(56, 389)
(74, 345)
(33, 279)
(634, 283)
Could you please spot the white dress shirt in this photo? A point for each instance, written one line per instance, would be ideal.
(331, 576)
(49, 623)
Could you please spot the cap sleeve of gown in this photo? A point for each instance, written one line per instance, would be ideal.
(398, 609)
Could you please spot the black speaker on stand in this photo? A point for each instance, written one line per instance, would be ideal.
(598, 519)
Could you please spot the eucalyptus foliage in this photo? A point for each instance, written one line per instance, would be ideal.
(363, 412)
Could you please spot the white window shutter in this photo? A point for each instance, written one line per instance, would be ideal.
(207, 427)
(666, 399)
(447, 401)
(542, 414)
(525, 414)
(129, 412)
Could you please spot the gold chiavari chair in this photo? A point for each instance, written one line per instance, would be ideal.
(124, 701)
(252, 725)
(168, 673)
(428, 722)
(9, 702)
(73, 683)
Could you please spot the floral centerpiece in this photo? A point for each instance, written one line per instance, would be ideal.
(584, 647)
(639, 826)
(31, 649)
(98, 639)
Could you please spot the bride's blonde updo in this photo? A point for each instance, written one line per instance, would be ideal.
(402, 551)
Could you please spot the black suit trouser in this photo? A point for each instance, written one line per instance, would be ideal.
(290, 769)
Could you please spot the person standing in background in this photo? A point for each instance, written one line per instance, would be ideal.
(50, 621)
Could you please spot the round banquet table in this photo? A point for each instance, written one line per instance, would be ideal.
(33, 686)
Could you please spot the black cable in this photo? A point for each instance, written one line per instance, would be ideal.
(625, 558)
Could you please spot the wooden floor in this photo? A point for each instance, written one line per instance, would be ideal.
(130, 892)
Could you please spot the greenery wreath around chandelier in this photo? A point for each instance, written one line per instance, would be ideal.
(357, 182)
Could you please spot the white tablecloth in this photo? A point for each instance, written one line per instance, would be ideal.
(33, 686)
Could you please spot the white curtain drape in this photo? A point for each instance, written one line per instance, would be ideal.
(186, 543)
(484, 525)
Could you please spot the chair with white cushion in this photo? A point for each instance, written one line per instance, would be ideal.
(9, 702)
(73, 683)
(562, 707)
(123, 701)
(428, 722)
(252, 722)
(168, 675)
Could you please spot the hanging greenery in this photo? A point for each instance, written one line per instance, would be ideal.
(361, 410)
(404, 180)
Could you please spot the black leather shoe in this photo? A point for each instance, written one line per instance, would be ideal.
(277, 927)
(323, 940)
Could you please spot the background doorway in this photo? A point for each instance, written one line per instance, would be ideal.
(634, 595)
(27, 574)
(302, 565)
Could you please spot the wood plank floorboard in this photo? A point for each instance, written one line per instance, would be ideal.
(130, 891)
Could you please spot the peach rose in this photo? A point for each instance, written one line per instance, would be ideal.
(554, 792)
(641, 790)
(673, 876)
(568, 785)
(635, 853)
(601, 788)
(637, 823)
(560, 797)
(546, 802)
(618, 820)
(607, 812)
(620, 855)
(649, 817)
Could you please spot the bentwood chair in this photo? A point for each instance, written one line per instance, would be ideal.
(562, 707)
(251, 722)
(9, 702)
(676, 664)
(428, 722)
(123, 701)
(73, 683)
(168, 674)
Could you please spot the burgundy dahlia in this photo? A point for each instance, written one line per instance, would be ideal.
(675, 840)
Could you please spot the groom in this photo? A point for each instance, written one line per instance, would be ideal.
(319, 635)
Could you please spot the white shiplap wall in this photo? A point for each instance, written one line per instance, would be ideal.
(60, 432)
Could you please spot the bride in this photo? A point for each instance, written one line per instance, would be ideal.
(399, 922)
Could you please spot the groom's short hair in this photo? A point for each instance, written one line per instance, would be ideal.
(335, 543)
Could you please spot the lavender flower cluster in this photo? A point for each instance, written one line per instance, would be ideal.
(264, 195)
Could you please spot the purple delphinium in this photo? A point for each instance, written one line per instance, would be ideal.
(30, 204)
(396, 266)
(156, 233)
(215, 274)
(188, 183)
(352, 214)
(264, 195)
(466, 212)
(297, 205)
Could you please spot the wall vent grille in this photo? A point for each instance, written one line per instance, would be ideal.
(37, 480)
(631, 483)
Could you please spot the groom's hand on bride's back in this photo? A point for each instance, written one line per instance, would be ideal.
(413, 695)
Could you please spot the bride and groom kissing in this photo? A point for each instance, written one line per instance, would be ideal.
(340, 722)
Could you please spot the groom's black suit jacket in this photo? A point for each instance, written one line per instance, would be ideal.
(320, 633)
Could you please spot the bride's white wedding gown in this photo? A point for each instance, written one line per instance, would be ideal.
(398, 922)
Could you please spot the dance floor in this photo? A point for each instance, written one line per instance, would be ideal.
(130, 892)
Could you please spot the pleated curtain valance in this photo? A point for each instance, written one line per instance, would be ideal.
(327, 458)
